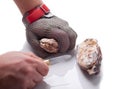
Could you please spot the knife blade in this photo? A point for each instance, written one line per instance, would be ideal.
(58, 59)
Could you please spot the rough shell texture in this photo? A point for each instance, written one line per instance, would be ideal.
(89, 56)
(49, 45)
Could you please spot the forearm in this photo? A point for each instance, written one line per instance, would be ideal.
(26, 5)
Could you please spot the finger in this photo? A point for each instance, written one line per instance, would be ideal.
(72, 36)
(42, 68)
(34, 75)
(31, 54)
(39, 65)
(31, 77)
(34, 58)
(37, 78)
(34, 42)
(64, 26)
(61, 37)
(31, 85)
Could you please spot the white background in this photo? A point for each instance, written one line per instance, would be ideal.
(99, 19)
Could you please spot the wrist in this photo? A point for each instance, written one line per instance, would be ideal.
(36, 13)
(26, 5)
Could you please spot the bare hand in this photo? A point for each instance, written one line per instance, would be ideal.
(20, 70)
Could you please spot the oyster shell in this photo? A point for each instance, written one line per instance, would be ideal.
(89, 56)
(49, 45)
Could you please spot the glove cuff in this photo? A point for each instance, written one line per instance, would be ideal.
(35, 14)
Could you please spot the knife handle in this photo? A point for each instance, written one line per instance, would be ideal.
(47, 61)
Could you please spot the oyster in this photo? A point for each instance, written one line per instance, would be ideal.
(49, 45)
(89, 56)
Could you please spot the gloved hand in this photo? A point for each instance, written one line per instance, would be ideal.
(55, 28)
(20, 70)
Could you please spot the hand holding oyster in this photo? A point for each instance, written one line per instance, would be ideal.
(89, 56)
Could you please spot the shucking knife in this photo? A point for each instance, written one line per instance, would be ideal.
(58, 59)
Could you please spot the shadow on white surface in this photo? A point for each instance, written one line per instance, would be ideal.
(89, 82)
(42, 85)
